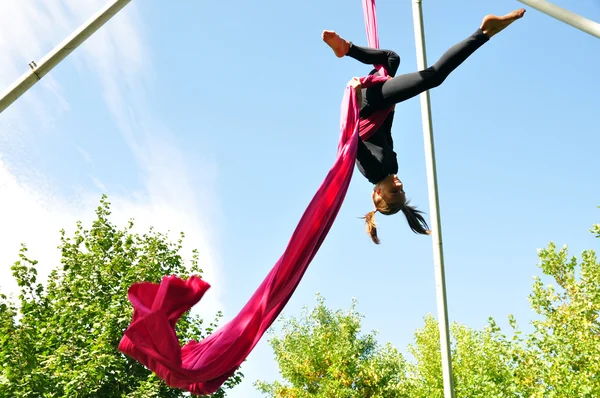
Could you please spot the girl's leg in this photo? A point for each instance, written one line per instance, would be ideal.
(370, 56)
(403, 87)
(406, 86)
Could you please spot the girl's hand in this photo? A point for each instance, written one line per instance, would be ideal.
(357, 86)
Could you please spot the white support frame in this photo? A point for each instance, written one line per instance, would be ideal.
(60, 52)
(566, 16)
(434, 207)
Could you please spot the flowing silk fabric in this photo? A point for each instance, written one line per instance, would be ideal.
(202, 367)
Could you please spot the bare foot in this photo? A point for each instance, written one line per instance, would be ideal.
(493, 24)
(338, 45)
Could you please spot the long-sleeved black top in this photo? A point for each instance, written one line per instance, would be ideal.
(376, 158)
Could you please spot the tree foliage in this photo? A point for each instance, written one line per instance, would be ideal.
(59, 339)
(323, 353)
(561, 357)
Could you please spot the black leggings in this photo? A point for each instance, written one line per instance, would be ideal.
(400, 88)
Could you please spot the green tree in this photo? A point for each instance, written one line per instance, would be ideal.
(561, 357)
(324, 354)
(482, 363)
(60, 339)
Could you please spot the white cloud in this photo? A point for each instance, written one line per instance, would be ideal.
(32, 213)
(85, 154)
(30, 209)
(99, 184)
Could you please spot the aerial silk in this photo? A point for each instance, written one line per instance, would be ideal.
(202, 367)
(368, 126)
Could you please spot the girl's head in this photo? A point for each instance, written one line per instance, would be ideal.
(389, 198)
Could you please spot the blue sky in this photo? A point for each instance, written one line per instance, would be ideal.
(221, 119)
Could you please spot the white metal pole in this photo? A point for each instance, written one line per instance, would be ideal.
(54, 57)
(566, 16)
(436, 230)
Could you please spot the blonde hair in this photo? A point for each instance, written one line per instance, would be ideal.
(415, 220)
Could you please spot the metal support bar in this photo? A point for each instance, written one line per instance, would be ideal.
(60, 52)
(436, 230)
(566, 16)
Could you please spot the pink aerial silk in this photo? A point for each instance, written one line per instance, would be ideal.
(202, 367)
(368, 126)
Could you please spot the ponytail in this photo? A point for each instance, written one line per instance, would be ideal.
(416, 222)
(414, 217)
(371, 226)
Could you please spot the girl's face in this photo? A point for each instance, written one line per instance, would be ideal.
(391, 190)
